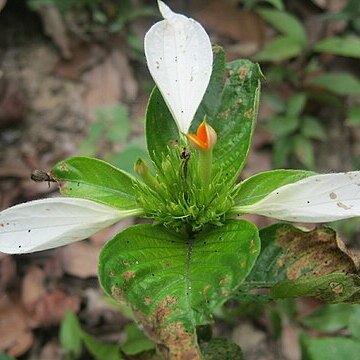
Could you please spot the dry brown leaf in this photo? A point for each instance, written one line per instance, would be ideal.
(246, 28)
(81, 259)
(7, 271)
(2, 4)
(290, 345)
(44, 308)
(15, 336)
(110, 82)
(50, 309)
(55, 28)
(84, 56)
(32, 287)
(12, 103)
(99, 310)
(51, 350)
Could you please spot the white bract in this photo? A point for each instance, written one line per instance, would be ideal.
(179, 56)
(48, 223)
(319, 198)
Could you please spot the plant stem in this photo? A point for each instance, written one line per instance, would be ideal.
(205, 165)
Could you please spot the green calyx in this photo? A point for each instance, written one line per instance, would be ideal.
(179, 198)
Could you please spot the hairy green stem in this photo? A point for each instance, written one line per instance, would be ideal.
(205, 165)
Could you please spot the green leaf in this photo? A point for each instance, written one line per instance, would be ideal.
(136, 341)
(116, 120)
(280, 126)
(297, 263)
(278, 4)
(100, 350)
(304, 151)
(286, 24)
(278, 49)
(338, 83)
(96, 180)
(210, 104)
(353, 117)
(174, 281)
(312, 129)
(295, 105)
(282, 148)
(258, 186)
(4, 356)
(126, 158)
(112, 123)
(236, 119)
(330, 318)
(329, 348)
(354, 322)
(332, 288)
(221, 349)
(160, 127)
(343, 46)
(70, 335)
(275, 102)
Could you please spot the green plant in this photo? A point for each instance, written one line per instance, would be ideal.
(73, 338)
(176, 272)
(293, 132)
(109, 138)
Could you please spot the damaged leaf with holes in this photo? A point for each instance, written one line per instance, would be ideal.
(295, 262)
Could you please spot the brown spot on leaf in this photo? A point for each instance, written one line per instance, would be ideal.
(309, 254)
(337, 288)
(127, 275)
(225, 114)
(126, 263)
(176, 341)
(332, 195)
(63, 167)
(118, 293)
(243, 72)
(249, 114)
(147, 300)
(224, 281)
(180, 343)
(164, 308)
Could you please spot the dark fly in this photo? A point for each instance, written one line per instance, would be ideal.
(185, 157)
(42, 176)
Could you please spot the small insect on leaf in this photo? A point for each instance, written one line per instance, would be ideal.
(185, 156)
(42, 176)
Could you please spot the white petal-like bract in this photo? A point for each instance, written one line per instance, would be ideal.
(179, 56)
(48, 223)
(319, 198)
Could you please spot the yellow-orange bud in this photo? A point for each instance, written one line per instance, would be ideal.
(205, 138)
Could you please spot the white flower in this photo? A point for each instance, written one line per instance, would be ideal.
(319, 198)
(49, 223)
(179, 57)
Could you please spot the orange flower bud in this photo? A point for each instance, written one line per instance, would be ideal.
(205, 138)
